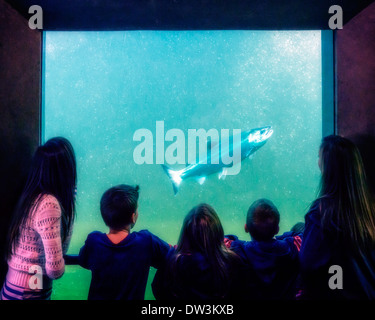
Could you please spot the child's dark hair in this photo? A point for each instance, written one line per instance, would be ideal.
(118, 204)
(202, 232)
(53, 172)
(299, 227)
(263, 220)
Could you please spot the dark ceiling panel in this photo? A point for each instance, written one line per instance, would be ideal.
(187, 14)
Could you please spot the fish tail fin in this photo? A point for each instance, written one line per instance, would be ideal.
(174, 176)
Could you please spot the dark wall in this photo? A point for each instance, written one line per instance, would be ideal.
(356, 75)
(188, 14)
(20, 65)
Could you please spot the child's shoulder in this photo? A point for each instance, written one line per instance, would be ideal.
(95, 235)
(231, 241)
(289, 235)
(143, 231)
(290, 240)
(314, 211)
(45, 205)
(144, 234)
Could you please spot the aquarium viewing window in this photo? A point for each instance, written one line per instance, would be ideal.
(101, 88)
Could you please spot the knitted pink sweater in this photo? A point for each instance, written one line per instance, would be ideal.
(39, 245)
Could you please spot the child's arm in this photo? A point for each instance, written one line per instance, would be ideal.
(84, 253)
(71, 259)
(228, 239)
(48, 225)
(288, 234)
(159, 286)
(160, 250)
(292, 236)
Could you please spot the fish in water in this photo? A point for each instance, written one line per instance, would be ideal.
(249, 142)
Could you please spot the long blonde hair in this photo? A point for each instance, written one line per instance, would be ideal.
(348, 210)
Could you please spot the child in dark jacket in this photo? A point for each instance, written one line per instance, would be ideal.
(340, 228)
(201, 267)
(272, 263)
(120, 260)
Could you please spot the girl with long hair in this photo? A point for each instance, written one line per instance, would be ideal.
(340, 228)
(201, 266)
(42, 223)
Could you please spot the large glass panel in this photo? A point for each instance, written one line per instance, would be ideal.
(101, 87)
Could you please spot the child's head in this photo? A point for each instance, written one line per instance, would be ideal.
(201, 231)
(119, 206)
(262, 221)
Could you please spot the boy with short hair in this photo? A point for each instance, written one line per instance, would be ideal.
(271, 263)
(120, 260)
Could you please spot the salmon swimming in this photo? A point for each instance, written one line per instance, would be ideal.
(246, 144)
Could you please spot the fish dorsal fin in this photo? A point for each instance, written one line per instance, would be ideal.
(201, 180)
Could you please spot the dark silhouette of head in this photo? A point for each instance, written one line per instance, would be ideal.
(262, 221)
(118, 206)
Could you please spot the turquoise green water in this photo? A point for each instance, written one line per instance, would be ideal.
(100, 87)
